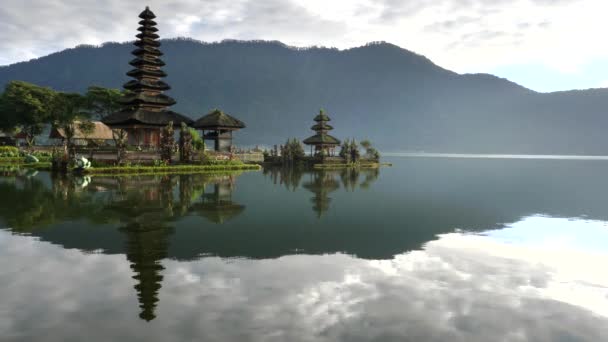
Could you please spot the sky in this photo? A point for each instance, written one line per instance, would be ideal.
(545, 45)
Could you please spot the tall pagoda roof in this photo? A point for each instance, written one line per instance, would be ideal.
(146, 117)
(147, 14)
(146, 104)
(144, 84)
(217, 118)
(142, 98)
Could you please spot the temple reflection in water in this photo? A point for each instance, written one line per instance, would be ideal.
(323, 182)
(145, 209)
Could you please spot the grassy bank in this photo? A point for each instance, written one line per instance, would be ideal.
(41, 166)
(172, 169)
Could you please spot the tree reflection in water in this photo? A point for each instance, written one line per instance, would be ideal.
(143, 207)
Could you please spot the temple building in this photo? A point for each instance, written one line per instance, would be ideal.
(323, 143)
(218, 126)
(145, 110)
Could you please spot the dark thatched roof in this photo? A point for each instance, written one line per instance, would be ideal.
(142, 98)
(145, 84)
(321, 139)
(145, 117)
(216, 119)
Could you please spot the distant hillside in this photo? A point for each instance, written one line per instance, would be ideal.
(396, 98)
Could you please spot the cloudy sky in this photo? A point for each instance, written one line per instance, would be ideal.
(545, 45)
(458, 288)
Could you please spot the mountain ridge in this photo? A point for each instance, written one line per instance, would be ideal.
(398, 99)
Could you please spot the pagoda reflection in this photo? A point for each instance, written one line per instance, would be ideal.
(143, 208)
(322, 182)
(147, 206)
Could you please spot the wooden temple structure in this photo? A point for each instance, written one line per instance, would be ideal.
(323, 143)
(218, 126)
(145, 110)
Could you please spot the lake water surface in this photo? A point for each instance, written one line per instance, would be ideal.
(431, 249)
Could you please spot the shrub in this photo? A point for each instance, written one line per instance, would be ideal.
(9, 149)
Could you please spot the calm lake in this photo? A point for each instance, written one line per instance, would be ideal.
(431, 249)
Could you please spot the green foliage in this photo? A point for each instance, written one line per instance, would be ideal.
(86, 127)
(101, 102)
(9, 149)
(350, 151)
(167, 143)
(366, 144)
(185, 144)
(197, 141)
(160, 163)
(120, 140)
(12, 155)
(370, 152)
(27, 107)
(292, 151)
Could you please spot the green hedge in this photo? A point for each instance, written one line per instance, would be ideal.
(140, 169)
(12, 149)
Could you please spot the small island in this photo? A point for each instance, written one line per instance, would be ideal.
(323, 150)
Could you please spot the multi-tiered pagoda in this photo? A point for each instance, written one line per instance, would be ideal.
(145, 109)
(323, 143)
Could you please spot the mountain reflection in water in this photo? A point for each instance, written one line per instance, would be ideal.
(429, 250)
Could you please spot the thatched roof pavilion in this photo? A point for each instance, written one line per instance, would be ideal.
(218, 127)
(145, 109)
(100, 132)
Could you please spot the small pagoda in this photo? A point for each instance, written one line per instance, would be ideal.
(145, 110)
(323, 143)
(218, 126)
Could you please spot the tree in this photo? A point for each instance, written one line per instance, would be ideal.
(67, 114)
(185, 144)
(197, 142)
(292, 151)
(370, 152)
(120, 140)
(26, 107)
(167, 143)
(345, 151)
(101, 102)
(353, 150)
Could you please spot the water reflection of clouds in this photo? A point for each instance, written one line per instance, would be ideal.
(459, 288)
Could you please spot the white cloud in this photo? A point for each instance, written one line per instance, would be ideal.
(459, 288)
(463, 35)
